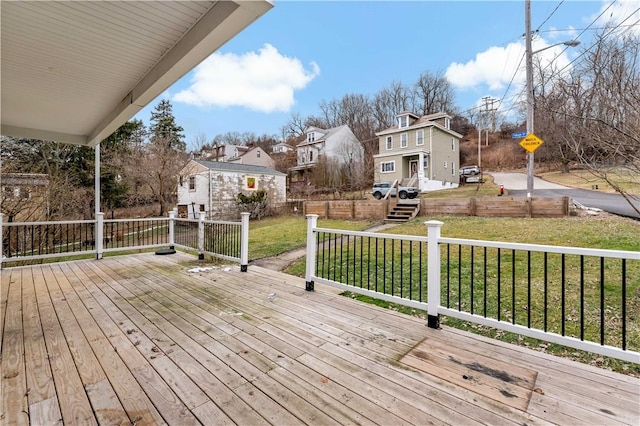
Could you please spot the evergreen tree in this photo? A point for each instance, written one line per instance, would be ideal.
(164, 130)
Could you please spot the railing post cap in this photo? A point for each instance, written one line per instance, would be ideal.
(312, 215)
(245, 214)
(434, 223)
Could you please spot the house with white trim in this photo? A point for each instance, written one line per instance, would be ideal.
(419, 151)
(337, 144)
(212, 187)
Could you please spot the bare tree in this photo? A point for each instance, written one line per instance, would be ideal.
(595, 112)
(433, 93)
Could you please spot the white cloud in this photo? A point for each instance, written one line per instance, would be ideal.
(496, 67)
(264, 81)
(625, 13)
(492, 68)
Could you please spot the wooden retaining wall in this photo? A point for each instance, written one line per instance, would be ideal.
(486, 207)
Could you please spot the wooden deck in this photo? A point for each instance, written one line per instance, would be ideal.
(141, 340)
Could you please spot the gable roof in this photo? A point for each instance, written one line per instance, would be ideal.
(75, 71)
(326, 134)
(424, 121)
(221, 166)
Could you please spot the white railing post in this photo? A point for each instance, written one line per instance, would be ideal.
(201, 236)
(244, 241)
(433, 273)
(312, 222)
(172, 218)
(99, 234)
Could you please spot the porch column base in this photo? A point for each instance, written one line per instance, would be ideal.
(433, 321)
(243, 268)
(308, 285)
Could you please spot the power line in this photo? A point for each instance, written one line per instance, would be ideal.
(548, 17)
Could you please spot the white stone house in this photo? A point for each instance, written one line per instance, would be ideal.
(338, 144)
(212, 187)
(421, 151)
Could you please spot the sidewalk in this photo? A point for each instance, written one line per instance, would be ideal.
(283, 260)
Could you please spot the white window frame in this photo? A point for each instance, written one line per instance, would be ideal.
(389, 143)
(453, 144)
(445, 164)
(404, 140)
(388, 163)
(453, 168)
(192, 180)
(447, 123)
(311, 137)
(403, 121)
(420, 137)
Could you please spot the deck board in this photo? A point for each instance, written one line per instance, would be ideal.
(140, 340)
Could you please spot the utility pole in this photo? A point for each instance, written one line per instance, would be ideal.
(529, 70)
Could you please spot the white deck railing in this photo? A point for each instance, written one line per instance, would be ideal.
(577, 297)
(28, 241)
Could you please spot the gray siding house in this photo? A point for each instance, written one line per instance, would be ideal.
(421, 151)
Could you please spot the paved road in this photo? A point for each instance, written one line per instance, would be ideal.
(516, 185)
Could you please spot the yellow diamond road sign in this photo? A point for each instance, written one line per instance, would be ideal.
(531, 142)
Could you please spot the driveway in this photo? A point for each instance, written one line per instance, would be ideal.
(516, 185)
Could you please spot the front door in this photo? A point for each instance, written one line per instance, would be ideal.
(413, 168)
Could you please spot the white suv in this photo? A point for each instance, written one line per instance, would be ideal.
(469, 170)
(380, 190)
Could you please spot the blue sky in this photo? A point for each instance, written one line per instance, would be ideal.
(303, 52)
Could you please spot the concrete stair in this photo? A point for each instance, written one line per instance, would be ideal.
(403, 211)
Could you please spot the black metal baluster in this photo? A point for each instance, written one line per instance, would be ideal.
(513, 286)
(546, 293)
(602, 315)
(484, 308)
(529, 289)
(472, 277)
(499, 276)
(581, 297)
(562, 287)
(624, 304)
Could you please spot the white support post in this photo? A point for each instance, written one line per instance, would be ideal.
(99, 234)
(172, 221)
(433, 272)
(201, 236)
(244, 241)
(312, 222)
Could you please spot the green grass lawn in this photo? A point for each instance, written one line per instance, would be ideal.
(277, 235)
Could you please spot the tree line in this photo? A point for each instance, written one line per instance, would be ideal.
(589, 117)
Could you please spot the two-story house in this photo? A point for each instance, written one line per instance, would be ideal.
(419, 151)
(337, 144)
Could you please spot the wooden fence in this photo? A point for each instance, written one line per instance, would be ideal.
(487, 207)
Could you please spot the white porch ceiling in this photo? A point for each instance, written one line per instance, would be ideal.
(75, 71)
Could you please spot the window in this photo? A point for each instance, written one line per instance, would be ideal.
(445, 165)
(192, 183)
(453, 169)
(251, 182)
(420, 137)
(388, 167)
(404, 121)
(447, 123)
(311, 137)
(311, 156)
(403, 140)
(453, 144)
(258, 154)
(389, 142)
